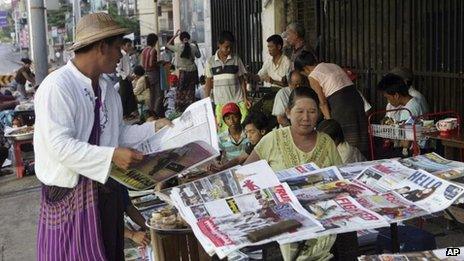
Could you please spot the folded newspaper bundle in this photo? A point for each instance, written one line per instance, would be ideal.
(224, 208)
(172, 151)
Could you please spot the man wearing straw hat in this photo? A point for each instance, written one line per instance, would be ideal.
(79, 134)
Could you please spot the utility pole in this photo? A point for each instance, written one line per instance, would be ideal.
(38, 35)
(76, 4)
(17, 31)
(156, 25)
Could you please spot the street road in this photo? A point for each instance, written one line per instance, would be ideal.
(9, 60)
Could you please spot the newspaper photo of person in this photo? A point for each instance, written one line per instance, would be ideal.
(392, 206)
(417, 194)
(428, 191)
(228, 221)
(344, 214)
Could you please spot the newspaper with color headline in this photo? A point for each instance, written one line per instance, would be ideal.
(172, 151)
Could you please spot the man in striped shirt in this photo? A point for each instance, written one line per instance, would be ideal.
(225, 76)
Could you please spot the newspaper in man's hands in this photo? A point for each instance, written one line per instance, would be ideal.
(190, 142)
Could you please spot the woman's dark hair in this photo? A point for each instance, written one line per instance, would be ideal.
(332, 128)
(276, 39)
(187, 52)
(109, 41)
(139, 71)
(184, 35)
(226, 36)
(126, 41)
(305, 59)
(152, 39)
(392, 84)
(259, 119)
(202, 80)
(302, 92)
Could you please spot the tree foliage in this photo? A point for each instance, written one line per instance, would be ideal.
(58, 17)
(128, 22)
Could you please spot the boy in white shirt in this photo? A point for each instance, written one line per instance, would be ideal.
(395, 90)
(407, 76)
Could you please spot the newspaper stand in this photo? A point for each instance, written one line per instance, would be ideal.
(407, 132)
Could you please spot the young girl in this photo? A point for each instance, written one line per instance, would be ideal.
(348, 153)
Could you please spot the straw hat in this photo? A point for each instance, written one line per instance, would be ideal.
(95, 27)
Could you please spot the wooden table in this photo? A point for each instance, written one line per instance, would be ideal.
(452, 144)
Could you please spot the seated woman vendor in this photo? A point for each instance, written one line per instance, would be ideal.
(297, 144)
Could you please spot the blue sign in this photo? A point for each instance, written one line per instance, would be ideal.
(3, 22)
(3, 14)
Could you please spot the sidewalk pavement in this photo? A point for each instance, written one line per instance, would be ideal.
(19, 208)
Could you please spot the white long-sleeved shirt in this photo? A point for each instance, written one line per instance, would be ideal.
(64, 109)
(124, 68)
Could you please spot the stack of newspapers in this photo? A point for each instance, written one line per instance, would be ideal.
(224, 208)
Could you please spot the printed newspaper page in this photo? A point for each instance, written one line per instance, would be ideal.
(351, 170)
(383, 177)
(197, 123)
(435, 164)
(428, 192)
(221, 226)
(163, 165)
(323, 184)
(343, 214)
(296, 171)
(417, 186)
(311, 178)
(391, 206)
(309, 195)
(228, 183)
